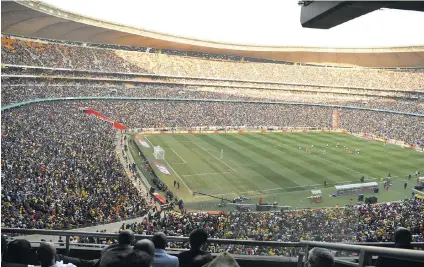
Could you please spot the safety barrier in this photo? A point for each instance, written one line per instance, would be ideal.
(365, 250)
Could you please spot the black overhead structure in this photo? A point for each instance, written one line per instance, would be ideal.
(327, 14)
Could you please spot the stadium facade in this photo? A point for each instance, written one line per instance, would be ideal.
(40, 20)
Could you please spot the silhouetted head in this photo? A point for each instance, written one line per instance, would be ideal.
(19, 251)
(320, 257)
(197, 238)
(137, 258)
(46, 254)
(145, 245)
(159, 240)
(126, 237)
(402, 237)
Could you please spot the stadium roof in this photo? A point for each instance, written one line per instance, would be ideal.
(40, 20)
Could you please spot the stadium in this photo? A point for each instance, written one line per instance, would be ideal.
(270, 151)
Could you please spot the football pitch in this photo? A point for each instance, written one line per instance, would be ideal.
(277, 167)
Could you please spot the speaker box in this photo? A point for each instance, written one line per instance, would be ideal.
(373, 200)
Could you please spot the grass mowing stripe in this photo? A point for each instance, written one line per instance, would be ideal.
(279, 178)
(340, 158)
(259, 169)
(288, 164)
(224, 178)
(245, 175)
(337, 159)
(306, 159)
(381, 164)
(335, 171)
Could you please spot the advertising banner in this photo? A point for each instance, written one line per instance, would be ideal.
(144, 143)
(162, 168)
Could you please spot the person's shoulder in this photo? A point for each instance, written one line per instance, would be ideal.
(171, 258)
(184, 255)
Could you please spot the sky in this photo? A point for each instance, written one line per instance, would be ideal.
(253, 22)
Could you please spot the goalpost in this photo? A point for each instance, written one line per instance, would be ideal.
(158, 152)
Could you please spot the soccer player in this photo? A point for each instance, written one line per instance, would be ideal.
(405, 185)
(325, 182)
(337, 145)
(327, 145)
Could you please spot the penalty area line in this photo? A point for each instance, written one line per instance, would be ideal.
(178, 155)
(214, 157)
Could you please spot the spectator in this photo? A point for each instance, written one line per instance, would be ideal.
(195, 255)
(403, 239)
(145, 245)
(113, 255)
(19, 252)
(161, 258)
(47, 256)
(320, 257)
(137, 258)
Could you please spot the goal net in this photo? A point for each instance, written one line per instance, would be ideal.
(158, 152)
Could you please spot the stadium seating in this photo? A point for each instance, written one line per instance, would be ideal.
(61, 169)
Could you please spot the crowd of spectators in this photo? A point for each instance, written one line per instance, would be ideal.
(33, 53)
(60, 170)
(362, 223)
(17, 91)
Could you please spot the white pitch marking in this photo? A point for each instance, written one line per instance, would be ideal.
(201, 174)
(214, 156)
(181, 179)
(178, 155)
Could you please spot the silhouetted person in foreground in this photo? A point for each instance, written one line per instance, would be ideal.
(145, 245)
(47, 256)
(4, 252)
(18, 253)
(136, 258)
(195, 257)
(113, 255)
(320, 257)
(403, 239)
(161, 258)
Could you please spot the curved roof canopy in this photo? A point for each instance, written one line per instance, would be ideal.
(40, 20)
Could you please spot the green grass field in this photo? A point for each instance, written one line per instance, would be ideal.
(272, 167)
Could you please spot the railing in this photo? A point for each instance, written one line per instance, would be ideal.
(365, 250)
